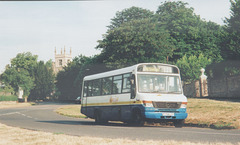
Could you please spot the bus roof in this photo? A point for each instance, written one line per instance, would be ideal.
(129, 69)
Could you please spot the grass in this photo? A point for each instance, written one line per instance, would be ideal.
(201, 113)
(213, 114)
(71, 111)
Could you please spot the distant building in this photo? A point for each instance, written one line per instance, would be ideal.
(61, 60)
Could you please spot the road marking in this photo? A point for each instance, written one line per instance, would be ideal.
(9, 113)
(19, 114)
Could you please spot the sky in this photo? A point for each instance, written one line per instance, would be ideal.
(41, 26)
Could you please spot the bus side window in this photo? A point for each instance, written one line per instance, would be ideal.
(126, 83)
(133, 86)
(85, 91)
(96, 87)
(117, 84)
(106, 86)
(90, 86)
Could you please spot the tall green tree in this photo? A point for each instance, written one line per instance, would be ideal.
(18, 77)
(134, 42)
(189, 33)
(126, 15)
(32, 76)
(43, 80)
(25, 61)
(69, 80)
(232, 39)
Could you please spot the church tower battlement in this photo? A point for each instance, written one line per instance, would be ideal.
(61, 60)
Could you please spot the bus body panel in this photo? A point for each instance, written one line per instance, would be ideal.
(113, 107)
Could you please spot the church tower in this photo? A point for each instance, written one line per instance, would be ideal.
(61, 60)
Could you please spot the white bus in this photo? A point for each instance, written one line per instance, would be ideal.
(135, 94)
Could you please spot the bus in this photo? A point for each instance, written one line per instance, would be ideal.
(136, 94)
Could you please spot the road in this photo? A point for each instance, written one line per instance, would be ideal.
(43, 118)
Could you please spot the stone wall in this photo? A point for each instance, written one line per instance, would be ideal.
(225, 87)
(192, 89)
(228, 87)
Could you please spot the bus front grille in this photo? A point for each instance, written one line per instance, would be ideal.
(168, 105)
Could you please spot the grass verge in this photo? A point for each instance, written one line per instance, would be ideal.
(213, 114)
(201, 113)
(13, 104)
(71, 111)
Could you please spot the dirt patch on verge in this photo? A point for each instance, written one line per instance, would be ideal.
(13, 104)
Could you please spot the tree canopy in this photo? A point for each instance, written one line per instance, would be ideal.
(134, 42)
(35, 78)
(43, 80)
(126, 15)
(69, 80)
(232, 38)
(190, 34)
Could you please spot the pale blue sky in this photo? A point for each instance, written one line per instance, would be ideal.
(40, 26)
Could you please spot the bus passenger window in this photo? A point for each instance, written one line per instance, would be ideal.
(96, 87)
(126, 83)
(106, 86)
(85, 91)
(90, 88)
(117, 84)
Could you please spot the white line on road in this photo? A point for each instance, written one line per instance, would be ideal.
(19, 114)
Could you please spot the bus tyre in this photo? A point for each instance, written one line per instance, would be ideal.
(137, 118)
(179, 123)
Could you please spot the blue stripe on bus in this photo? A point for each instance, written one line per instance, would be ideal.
(124, 112)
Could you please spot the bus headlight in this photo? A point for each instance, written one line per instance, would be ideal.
(184, 105)
(148, 103)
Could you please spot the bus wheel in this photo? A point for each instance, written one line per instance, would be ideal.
(179, 123)
(137, 118)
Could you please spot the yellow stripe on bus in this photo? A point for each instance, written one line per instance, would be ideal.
(111, 104)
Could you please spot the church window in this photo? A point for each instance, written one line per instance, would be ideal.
(60, 62)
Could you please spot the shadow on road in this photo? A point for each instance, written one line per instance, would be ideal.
(92, 123)
(69, 122)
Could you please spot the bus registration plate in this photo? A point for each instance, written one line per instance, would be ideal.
(167, 114)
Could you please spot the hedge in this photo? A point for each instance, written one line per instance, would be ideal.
(9, 98)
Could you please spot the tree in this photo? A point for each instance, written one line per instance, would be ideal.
(189, 33)
(43, 80)
(134, 42)
(6, 89)
(69, 81)
(190, 66)
(18, 77)
(232, 38)
(32, 76)
(25, 61)
(126, 15)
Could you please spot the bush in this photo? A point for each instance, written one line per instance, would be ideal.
(190, 66)
(9, 98)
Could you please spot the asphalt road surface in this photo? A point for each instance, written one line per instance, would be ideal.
(43, 118)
